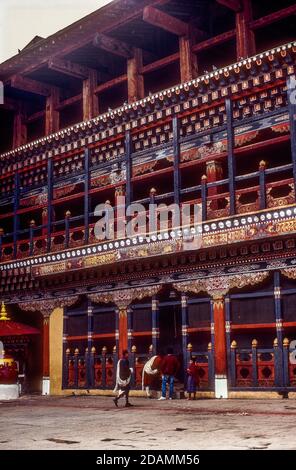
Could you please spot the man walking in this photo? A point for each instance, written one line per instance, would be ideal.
(169, 370)
(123, 378)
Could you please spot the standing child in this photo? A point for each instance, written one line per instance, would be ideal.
(192, 378)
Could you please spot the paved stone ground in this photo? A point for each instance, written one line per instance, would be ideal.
(94, 423)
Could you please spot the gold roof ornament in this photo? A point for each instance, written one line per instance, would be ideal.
(3, 314)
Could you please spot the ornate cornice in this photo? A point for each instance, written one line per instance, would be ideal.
(218, 287)
(290, 273)
(123, 298)
(46, 307)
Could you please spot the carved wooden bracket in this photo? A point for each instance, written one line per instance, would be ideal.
(46, 307)
(218, 287)
(123, 298)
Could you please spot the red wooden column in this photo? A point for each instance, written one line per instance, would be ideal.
(123, 330)
(45, 355)
(89, 98)
(245, 37)
(52, 115)
(220, 350)
(135, 80)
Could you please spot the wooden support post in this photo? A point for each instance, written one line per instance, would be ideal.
(228, 332)
(286, 378)
(231, 156)
(245, 37)
(130, 314)
(16, 202)
(176, 152)
(279, 325)
(19, 127)
(204, 195)
(89, 98)
(155, 325)
(291, 90)
(184, 312)
(31, 237)
(52, 115)
(153, 226)
(45, 355)
(129, 169)
(262, 184)
(67, 229)
(188, 60)
(49, 201)
(1, 242)
(104, 363)
(65, 379)
(233, 347)
(220, 353)
(135, 79)
(214, 172)
(86, 194)
(122, 330)
(254, 363)
(90, 325)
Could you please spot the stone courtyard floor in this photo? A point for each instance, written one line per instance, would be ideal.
(89, 422)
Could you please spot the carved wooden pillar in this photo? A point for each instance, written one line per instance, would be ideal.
(120, 218)
(155, 325)
(245, 38)
(122, 330)
(184, 311)
(220, 354)
(52, 115)
(65, 347)
(45, 354)
(89, 98)
(135, 80)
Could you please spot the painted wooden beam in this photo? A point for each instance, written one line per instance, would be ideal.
(234, 5)
(67, 67)
(245, 38)
(158, 64)
(110, 84)
(89, 98)
(273, 17)
(113, 45)
(10, 104)
(35, 116)
(29, 85)
(135, 81)
(69, 101)
(164, 21)
(211, 42)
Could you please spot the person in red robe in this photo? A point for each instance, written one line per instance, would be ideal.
(192, 378)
